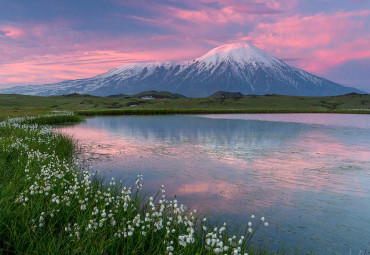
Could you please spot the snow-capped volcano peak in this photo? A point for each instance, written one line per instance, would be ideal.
(231, 47)
(241, 53)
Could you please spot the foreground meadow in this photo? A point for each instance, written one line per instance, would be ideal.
(50, 204)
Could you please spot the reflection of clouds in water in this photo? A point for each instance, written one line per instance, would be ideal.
(239, 166)
(320, 165)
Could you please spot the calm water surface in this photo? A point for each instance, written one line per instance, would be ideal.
(308, 174)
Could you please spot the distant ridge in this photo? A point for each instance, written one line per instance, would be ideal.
(225, 94)
(237, 67)
(119, 96)
(157, 94)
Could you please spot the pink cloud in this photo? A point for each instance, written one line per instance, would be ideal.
(10, 31)
(309, 31)
(324, 59)
(321, 41)
(222, 16)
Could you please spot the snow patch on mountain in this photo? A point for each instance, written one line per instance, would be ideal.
(238, 53)
(132, 69)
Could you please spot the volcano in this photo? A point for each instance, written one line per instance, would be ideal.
(237, 67)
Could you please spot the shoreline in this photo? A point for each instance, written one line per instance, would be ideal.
(208, 111)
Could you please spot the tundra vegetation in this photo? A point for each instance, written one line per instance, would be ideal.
(164, 103)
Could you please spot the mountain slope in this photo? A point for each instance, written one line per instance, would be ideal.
(237, 67)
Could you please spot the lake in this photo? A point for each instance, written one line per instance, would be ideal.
(308, 174)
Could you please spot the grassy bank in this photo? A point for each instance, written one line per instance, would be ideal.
(49, 205)
(20, 105)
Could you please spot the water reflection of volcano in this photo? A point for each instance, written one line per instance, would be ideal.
(228, 134)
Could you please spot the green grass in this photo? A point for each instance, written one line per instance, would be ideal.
(49, 205)
(20, 105)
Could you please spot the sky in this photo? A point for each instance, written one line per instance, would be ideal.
(46, 41)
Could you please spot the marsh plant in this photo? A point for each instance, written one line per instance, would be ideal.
(50, 205)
